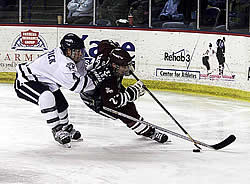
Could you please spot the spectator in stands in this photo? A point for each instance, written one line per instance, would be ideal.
(189, 7)
(3, 4)
(170, 11)
(80, 11)
(6, 5)
(8, 9)
(139, 10)
(218, 3)
(181, 10)
(157, 6)
(113, 10)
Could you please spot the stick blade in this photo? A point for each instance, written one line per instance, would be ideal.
(224, 143)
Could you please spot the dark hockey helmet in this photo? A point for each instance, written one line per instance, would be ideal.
(210, 44)
(71, 41)
(106, 46)
(75, 44)
(120, 57)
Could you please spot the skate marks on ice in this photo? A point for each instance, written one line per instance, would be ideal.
(110, 153)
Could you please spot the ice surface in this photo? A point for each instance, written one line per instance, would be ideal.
(113, 154)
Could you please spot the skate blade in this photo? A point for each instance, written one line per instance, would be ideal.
(78, 140)
(67, 145)
(167, 142)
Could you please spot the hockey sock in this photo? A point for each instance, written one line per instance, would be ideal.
(221, 69)
(64, 117)
(139, 128)
(48, 108)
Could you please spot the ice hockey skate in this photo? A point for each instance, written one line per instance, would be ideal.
(159, 137)
(61, 136)
(74, 134)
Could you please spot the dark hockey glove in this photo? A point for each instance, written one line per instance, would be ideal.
(95, 103)
(99, 74)
(135, 91)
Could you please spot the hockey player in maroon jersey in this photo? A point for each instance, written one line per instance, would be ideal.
(111, 65)
(39, 82)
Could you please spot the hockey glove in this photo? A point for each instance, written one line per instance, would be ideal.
(95, 103)
(135, 91)
(99, 74)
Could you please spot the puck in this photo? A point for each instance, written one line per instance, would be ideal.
(196, 150)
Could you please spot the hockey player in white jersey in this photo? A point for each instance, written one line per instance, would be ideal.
(206, 59)
(39, 82)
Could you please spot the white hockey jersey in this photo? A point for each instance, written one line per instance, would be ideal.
(209, 52)
(56, 70)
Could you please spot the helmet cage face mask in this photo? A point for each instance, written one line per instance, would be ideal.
(123, 70)
(77, 54)
(122, 61)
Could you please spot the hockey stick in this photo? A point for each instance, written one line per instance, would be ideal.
(217, 146)
(229, 70)
(159, 103)
(193, 52)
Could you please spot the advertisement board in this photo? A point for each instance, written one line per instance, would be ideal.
(24, 44)
(186, 57)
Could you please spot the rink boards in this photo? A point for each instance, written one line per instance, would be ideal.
(165, 59)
